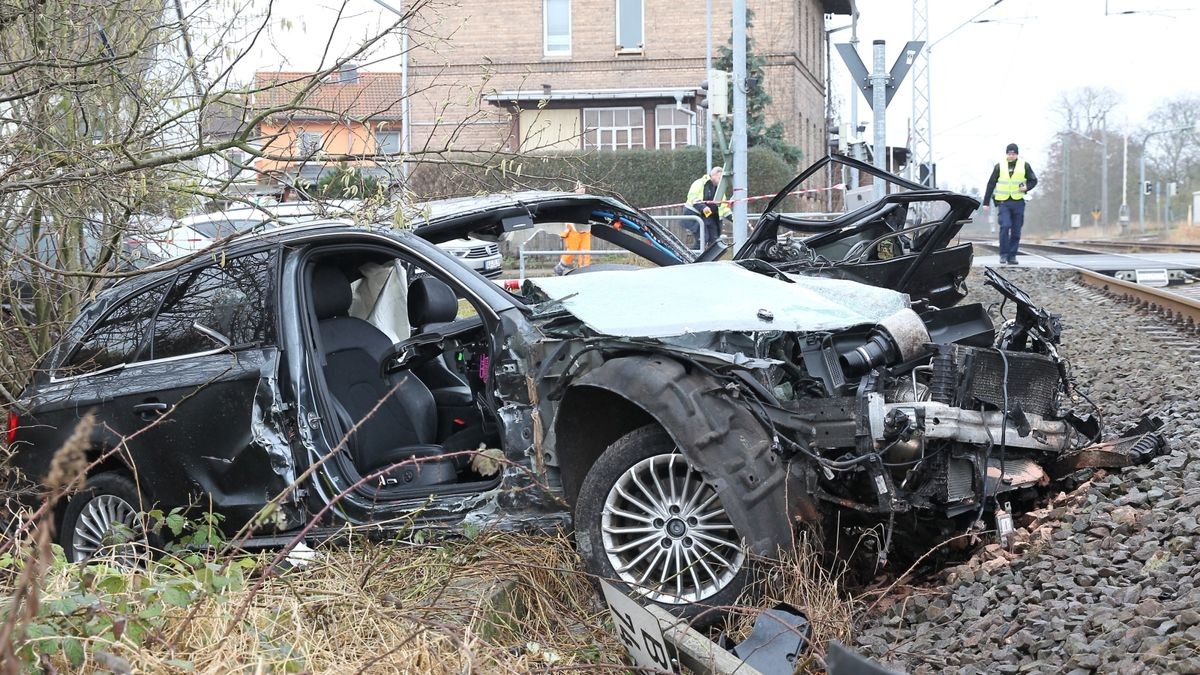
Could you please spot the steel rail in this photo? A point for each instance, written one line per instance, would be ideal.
(1185, 310)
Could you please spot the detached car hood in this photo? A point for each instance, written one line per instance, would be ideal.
(709, 297)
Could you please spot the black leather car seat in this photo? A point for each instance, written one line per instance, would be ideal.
(433, 307)
(405, 423)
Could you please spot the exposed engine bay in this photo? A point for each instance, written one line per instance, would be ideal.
(928, 422)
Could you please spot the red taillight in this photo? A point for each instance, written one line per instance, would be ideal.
(13, 421)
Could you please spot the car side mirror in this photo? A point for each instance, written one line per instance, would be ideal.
(215, 335)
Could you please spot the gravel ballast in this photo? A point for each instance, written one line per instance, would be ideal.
(1106, 577)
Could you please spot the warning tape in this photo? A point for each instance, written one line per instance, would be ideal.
(839, 186)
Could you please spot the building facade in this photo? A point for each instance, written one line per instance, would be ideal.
(549, 75)
(546, 76)
(350, 118)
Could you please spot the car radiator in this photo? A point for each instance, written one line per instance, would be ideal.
(966, 376)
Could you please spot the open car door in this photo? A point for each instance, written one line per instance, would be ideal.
(901, 242)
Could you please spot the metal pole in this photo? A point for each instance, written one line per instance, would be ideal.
(404, 118)
(879, 82)
(1104, 175)
(739, 123)
(1142, 187)
(708, 117)
(405, 121)
(1066, 216)
(853, 91)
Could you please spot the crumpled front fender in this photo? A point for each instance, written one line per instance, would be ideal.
(717, 435)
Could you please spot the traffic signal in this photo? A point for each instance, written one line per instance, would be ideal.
(1147, 187)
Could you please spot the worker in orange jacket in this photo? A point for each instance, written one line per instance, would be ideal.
(574, 239)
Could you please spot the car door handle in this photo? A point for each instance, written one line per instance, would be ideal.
(150, 410)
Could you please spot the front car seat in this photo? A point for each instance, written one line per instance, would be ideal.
(392, 426)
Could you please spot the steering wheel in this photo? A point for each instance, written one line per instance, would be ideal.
(412, 352)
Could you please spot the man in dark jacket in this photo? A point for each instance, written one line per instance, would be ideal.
(1012, 179)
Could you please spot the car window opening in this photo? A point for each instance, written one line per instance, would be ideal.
(405, 377)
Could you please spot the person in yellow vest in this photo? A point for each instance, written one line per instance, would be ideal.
(1012, 179)
(702, 201)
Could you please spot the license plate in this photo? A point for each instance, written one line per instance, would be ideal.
(491, 264)
(639, 631)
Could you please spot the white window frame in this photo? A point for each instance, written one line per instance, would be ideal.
(308, 143)
(689, 125)
(639, 47)
(547, 49)
(592, 135)
(381, 136)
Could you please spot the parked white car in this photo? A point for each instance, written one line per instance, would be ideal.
(193, 233)
(482, 256)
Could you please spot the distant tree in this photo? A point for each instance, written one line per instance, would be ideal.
(1175, 157)
(1070, 182)
(758, 132)
(107, 112)
(346, 183)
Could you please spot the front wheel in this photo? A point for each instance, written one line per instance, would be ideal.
(105, 519)
(646, 521)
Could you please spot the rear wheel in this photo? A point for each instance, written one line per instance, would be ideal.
(647, 522)
(105, 519)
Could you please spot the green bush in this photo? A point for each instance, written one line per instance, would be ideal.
(641, 177)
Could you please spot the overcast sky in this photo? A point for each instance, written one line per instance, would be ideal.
(997, 82)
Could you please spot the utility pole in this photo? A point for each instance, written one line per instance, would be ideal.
(922, 150)
(708, 116)
(853, 88)
(405, 130)
(922, 108)
(1123, 214)
(739, 124)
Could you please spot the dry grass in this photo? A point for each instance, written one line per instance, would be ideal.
(375, 608)
(501, 603)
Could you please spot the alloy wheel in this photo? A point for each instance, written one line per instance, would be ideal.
(666, 533)
(108, 525)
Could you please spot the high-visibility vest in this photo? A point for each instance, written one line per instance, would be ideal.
(696, 194)
(1007, 184)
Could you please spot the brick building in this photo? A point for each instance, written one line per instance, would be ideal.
(548, 75)
(569, 74)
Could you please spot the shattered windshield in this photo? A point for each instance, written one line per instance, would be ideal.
(718, 296)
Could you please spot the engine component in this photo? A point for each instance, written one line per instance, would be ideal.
(899, 337)
(966, 376)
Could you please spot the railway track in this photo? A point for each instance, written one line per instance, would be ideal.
(1178, 304)
(1132, 246)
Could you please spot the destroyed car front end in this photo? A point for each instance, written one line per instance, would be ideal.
(795, 401)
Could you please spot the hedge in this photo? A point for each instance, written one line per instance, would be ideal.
(640, 177)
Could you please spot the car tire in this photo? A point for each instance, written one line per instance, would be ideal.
(643, 475)
(95, 516)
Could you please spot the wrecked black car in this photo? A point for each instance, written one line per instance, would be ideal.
(684, 418)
